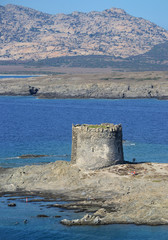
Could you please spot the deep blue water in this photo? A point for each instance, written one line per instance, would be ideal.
(37, 126)
(40, 126)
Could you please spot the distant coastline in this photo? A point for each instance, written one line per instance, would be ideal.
(117, 85)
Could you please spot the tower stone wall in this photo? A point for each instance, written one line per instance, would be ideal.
(96, 146)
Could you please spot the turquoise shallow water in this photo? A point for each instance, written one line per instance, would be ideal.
(12, 225)
(37, 126)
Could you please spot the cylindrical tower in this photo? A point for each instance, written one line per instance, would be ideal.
(97, 146)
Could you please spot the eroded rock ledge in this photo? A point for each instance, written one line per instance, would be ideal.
(127, 193)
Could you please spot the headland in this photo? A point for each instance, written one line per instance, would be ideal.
(110, 85)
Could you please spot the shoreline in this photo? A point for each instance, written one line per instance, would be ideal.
(48, 96)
(161, 98)
(110, 195)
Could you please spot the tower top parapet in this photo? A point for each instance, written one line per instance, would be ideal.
(107, 127)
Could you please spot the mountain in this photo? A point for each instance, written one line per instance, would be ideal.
(27, 34)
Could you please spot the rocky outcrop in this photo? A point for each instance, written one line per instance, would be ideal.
(29, 34)
(127, 193)
(32, 156)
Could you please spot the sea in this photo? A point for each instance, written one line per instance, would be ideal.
(29, 125)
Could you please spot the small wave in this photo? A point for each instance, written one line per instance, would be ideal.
(9, 158)
(128, 143)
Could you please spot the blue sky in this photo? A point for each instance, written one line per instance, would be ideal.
(153, 10)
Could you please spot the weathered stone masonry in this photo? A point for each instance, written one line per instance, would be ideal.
(97, 146)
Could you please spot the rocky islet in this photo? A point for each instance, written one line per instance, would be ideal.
(126, 193)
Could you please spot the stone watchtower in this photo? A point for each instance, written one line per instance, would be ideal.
(96, 146)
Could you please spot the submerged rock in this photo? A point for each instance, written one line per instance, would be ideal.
(42, 216)
(32, 156)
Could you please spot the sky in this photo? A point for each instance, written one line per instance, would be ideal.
(155, 11)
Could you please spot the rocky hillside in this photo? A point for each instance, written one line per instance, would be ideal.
(156, 59)
(27, 34)
(157, 55)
